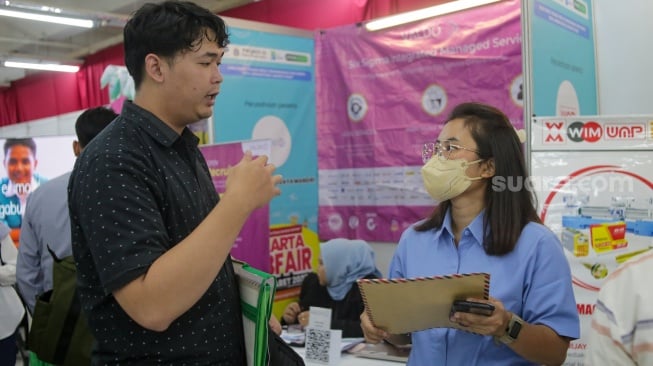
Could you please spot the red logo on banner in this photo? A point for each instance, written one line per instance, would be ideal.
(553, 132)
(585, 131)
(625, 132)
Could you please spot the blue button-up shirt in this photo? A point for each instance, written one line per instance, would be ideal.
(46, 224)
(533, 281)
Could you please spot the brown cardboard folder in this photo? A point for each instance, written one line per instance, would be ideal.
(412, 304)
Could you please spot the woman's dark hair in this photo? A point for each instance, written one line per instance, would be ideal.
(507, 209)
(166, 29)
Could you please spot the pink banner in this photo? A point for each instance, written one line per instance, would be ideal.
(382, 95)
(252, 245)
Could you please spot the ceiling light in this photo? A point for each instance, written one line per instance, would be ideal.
(77, 22)
(430, 12)
(42, 66)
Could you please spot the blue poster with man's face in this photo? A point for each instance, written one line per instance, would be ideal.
(29, 162)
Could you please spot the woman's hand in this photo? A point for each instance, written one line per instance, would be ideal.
(372, 334)
(303, 318)
(290, 313)
(494, 325)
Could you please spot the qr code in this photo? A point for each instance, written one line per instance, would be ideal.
(317, 345)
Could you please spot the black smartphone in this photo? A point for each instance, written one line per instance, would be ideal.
(472, 307)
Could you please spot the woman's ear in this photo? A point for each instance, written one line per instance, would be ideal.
(487, 168)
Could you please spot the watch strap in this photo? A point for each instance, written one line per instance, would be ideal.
(512, 330)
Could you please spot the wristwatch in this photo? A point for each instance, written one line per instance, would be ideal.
(512, 330)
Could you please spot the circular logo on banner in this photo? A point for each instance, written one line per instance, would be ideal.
(353, 222)
(371, 224)
(335, 222)
(434, 100)
(356, 107)
(517, 90)
(584, 131)
(275, 129)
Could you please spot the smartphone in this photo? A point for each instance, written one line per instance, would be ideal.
(472, 307)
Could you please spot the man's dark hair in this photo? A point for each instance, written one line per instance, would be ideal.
(28, 142)
(166, 29)
(91, 122)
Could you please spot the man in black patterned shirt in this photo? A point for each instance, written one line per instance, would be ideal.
(151, 238)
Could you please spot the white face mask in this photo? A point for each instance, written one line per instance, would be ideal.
(445, 179)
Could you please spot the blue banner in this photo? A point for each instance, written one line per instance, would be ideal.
(269, 93)
(564, 67)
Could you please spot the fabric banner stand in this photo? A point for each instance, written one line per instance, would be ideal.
(382, 95)
(560, 80)
(269, 93)
(594, 182)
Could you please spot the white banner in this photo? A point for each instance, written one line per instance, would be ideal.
(594, 182)
(592, 133)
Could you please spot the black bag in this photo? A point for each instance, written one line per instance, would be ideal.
(59, 332)
(280, 353)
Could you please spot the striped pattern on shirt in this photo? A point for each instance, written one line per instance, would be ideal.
(622, 322)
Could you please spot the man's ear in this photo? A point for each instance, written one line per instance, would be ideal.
(487, 168)
(154, 67)
(77, 148)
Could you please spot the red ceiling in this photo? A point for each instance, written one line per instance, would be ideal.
(323, 14)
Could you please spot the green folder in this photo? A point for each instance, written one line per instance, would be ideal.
(256, 297)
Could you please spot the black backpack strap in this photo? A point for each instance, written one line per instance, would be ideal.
(53, 254)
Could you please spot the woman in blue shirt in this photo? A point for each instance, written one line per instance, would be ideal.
(483, 224)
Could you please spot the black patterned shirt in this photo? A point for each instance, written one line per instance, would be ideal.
(136, 191)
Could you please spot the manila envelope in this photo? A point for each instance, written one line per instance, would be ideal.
(413, 304)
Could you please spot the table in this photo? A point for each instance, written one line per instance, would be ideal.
(347, 359)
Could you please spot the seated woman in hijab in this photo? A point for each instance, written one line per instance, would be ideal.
(342, 262)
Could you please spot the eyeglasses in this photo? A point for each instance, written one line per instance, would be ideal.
(443, 149)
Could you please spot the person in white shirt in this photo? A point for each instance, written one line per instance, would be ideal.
(622, 322)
